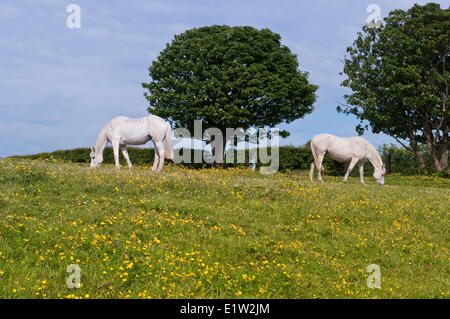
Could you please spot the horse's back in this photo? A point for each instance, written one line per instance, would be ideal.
(330, 139)
(119, 118)
(340, 148)
(148, 120)
(323, 141)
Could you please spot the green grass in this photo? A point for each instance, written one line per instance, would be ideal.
(218, 233)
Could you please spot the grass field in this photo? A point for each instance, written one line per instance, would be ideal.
(218, 233)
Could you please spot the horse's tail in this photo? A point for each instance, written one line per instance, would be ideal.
(168, 152)
(316, 162)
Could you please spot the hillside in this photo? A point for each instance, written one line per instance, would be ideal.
(214, 233)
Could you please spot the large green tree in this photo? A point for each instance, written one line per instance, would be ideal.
(228, 77)
(399, 76)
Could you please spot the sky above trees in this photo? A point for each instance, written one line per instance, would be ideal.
(60, 86)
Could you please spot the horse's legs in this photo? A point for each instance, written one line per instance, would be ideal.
(320, 157)
(311, 172)
(361, 172)
(115, 145)
(346, 164)
(159, 146)
(125, 155)
(350, 167)
(155, 162)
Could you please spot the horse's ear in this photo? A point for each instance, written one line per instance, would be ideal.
(93, 148)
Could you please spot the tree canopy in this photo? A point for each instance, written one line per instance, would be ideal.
(399, 77)
(236, 77)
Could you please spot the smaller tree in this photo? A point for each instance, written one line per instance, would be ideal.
(399, 77)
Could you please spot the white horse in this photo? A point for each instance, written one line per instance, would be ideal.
(348, 150)
(122, 131)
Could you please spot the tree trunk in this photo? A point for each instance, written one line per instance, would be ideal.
(438, 155)
(432, 155)
(443, 156)
(444, 161)
(437, 148)
(388, 163)
(419, 156)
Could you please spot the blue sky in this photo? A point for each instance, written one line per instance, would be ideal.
(60, 86)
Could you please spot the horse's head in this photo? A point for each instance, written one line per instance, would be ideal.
(379, 175)
(96, 159)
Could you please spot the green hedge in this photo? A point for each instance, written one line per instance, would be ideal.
(139, 156)
(291, 158)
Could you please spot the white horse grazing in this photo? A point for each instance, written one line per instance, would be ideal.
(348, 150)
(122, 131)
